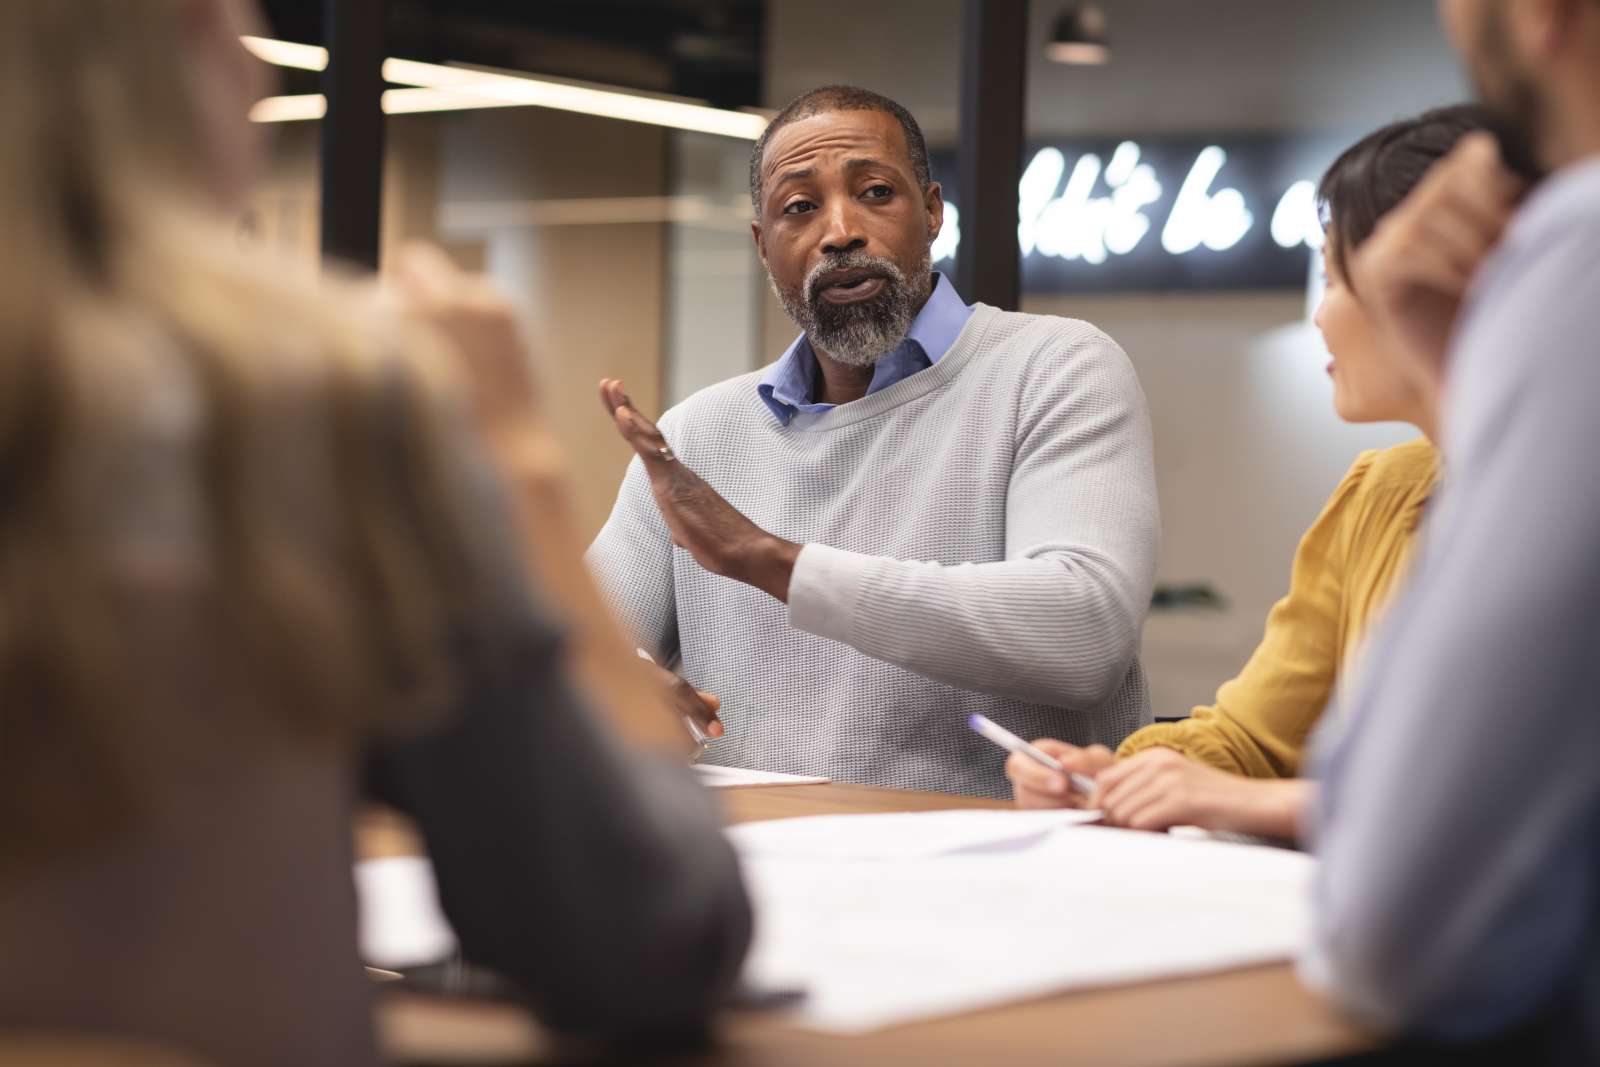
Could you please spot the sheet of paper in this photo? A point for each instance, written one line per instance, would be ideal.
(727, 777)
(402, 924)
(881, 943)
(895, 837)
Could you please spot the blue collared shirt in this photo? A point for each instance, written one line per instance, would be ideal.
(790, 384)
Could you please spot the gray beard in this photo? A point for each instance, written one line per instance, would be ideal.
(860, 334)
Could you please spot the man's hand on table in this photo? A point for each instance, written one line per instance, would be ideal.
(701, 522)
(696, 705)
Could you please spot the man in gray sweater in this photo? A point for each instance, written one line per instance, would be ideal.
(923, 510)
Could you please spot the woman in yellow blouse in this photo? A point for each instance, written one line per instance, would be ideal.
(1232, 765)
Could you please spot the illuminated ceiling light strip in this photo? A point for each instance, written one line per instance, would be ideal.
(313, 106)
(417, 101)
(605, 103)
(290, 108)
(492, 89)
(287, 53)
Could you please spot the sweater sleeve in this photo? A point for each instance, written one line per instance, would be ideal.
(1260, 721)
(631, 560)
(1057, 621)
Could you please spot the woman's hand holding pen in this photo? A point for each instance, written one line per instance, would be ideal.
(1158, 789)
(1037, 786)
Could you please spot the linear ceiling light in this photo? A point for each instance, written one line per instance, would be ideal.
(443, 88)
(309, 107)
(606, 103)
(289, 108)
(416, 101)
(287, 53)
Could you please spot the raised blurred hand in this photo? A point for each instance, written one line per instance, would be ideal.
(484, 333)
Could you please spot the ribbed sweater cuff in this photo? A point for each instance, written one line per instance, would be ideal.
(824, 590)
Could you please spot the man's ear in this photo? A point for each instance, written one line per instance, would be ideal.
(755, 235)
(933, 202)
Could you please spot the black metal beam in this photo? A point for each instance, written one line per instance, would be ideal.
(994, 71)
(352, 130)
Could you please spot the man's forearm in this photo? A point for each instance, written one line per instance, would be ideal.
(768, 565)
(1049, 630)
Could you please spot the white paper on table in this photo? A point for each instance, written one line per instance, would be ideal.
(402, 924)
(878, 944)
(900, 836)
(717, 777)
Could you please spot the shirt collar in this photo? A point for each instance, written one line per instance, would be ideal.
(940, 321)
(788, 385)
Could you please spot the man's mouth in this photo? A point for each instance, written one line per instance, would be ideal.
(850, 286)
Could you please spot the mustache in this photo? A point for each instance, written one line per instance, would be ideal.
(856, 260)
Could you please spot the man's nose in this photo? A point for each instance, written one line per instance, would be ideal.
(844, 231)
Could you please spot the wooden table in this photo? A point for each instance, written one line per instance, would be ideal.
(1260, 1015)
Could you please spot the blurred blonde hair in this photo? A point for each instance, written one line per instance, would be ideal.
(332, 559)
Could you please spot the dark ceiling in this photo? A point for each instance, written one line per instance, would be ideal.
(708, 49)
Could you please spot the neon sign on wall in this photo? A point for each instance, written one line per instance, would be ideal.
(1161, 215)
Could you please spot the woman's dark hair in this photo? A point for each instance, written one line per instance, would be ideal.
(1372, 176)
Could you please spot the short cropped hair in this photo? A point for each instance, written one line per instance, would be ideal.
(828, 98)
(1372, 176)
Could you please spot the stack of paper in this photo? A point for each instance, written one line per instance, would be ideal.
(886, 919)
(883, 838)
(402, 924)
(728, 777)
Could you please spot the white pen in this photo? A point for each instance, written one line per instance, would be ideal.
(1012, 743)
(701, 738)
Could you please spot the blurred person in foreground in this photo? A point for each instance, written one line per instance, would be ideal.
(257, 543)
(1459, 823)
(1235, 764)
(922, 510)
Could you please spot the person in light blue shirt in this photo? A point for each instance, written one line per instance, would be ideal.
(789, 387)
(1458, 894)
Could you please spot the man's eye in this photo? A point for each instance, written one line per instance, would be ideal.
(878, 192)
(798, 207)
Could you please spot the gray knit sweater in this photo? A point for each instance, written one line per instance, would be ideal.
(980, 537)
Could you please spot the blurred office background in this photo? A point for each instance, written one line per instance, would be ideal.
(628, 243)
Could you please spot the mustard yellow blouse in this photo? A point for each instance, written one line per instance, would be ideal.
(1344, 570)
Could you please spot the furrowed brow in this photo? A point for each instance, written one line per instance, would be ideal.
(798, 175)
